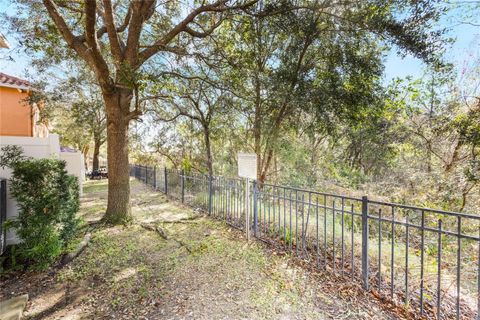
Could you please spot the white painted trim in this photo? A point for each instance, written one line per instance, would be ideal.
(13, 86)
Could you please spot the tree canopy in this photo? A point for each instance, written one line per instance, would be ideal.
(279, 62)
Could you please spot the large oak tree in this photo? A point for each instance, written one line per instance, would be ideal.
(116, 40)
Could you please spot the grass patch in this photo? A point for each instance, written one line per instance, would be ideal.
(91, 186)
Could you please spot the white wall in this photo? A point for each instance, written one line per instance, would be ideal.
(34, 147)
(75, 165)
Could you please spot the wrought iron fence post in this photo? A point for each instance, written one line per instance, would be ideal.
(183, 185)
(166, 182)
(146, 175)
(210, 194)
(365, 242)
(155, 177)
(255, 218)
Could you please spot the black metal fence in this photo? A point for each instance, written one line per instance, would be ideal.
(3, 213)
(426, 259)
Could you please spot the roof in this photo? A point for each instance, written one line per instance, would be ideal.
(3, 42)
(14, 82)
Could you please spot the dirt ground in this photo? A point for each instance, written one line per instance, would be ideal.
(198, 269)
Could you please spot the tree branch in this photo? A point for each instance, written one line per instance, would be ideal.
(101, 66)
(64, 30)
(141, 11)
(203, 34)
(101, 31)
(182, 26)
(113, 37)
(169, 119)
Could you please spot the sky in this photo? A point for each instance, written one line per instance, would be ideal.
(465, 48)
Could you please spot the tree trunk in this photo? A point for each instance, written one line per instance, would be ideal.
(455, 155)
(96, 153)
(85, 157)
(465, 193)
(118, 206)
(208, 150)
(257, 130)
(265, 166)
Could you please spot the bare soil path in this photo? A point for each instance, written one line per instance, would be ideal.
(202, 270)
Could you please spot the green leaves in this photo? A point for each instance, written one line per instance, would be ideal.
(48, 200)
(10, 156)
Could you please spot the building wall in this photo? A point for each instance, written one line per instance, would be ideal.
(15, 113)
(75, 165)
(38, 148)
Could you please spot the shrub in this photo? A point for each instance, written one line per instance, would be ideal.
(48, 200)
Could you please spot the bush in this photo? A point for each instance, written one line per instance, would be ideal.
(48, 200)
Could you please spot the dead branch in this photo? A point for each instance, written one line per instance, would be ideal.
(156, 229)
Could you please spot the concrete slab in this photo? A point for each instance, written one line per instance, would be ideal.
(12, 309)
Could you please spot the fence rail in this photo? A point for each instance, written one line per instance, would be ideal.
(425, 258)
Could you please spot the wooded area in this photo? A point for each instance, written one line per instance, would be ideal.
(299, 83)
(184, 86)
